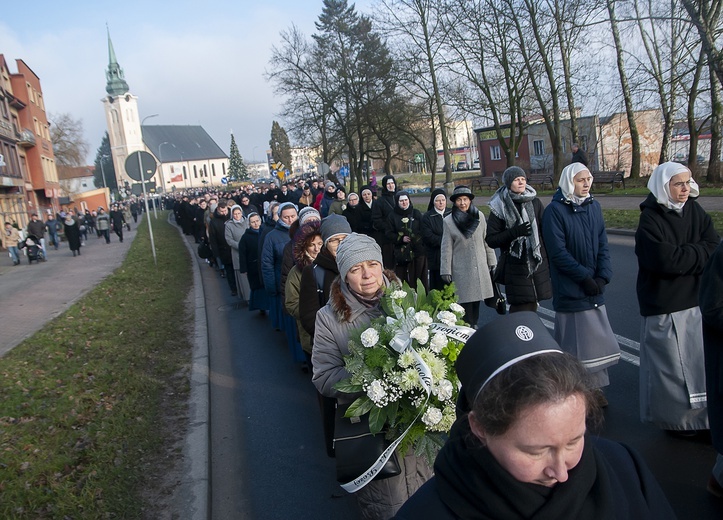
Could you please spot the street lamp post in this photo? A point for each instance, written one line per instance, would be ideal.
(160, 166)
(145, 195)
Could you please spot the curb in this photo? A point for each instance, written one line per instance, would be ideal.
(193, 492)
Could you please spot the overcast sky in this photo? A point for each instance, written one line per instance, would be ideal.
(196, 63)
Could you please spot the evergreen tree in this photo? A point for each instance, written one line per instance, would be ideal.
(103, 154)
(280, 146)
(237, 170)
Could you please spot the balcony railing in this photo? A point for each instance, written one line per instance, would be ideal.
(26, 138)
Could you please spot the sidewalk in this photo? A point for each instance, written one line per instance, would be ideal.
(32, 295)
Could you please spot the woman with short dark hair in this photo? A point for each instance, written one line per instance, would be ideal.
(520, 448)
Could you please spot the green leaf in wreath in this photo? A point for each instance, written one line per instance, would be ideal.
(348, 387)
(377, 419)
(359, 407)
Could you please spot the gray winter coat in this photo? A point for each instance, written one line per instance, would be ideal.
(468, 260)
(233, 233)
(380, 499)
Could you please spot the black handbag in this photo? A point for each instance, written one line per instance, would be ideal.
(356, 449)
(498, 300)
(204, 250)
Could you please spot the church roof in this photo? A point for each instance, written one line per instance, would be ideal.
(116, 85)
(183, 143)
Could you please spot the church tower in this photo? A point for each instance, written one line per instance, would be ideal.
(121, 113)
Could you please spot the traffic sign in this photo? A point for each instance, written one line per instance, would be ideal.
(418, 157)
(224, 180)
(148, 162)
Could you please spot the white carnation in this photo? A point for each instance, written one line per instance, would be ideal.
(457, 309)
(369, 337)
(398, 295)
(421, 334)
(432, 416)
(439, 341)
(423, 318)
(448, 318)
(444, 390)
(376, 392)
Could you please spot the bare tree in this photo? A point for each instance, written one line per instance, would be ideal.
(417, 21)
(627, 96)
(705, 15)
(66, 134)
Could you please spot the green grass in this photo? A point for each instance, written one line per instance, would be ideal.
(81, 400)
(628, 219)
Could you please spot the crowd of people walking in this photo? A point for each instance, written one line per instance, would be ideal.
(316, 260)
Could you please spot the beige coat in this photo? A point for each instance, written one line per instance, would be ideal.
(468, 260)
(12, 239)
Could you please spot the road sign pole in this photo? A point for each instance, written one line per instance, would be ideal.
(145, 200)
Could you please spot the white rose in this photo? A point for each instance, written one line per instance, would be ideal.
(457, 309)
(398, 295)
(446, 317)
(444, 390)
(376, 391)
(439, 341)
(369, 337)
(420, 334)
(423, 318)
(432, 416)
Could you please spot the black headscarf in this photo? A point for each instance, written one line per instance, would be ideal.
(385, 191)
(435, 192)
(399, 211)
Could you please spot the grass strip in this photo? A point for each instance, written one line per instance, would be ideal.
(83, 402)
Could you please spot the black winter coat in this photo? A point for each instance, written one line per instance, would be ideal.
(217, 238)
(513, 271)
(672, 251)
(432, 229)
(381, 209)
(711, 307)
(397, 229)
(248, 255)
(310, 301)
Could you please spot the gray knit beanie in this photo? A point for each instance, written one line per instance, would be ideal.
(334, 225)
(327, 184)
(511, 173)
(307, 213)
(356, 248)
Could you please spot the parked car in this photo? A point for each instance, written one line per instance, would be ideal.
(462, 165)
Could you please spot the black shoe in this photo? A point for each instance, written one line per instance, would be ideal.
(73, 253)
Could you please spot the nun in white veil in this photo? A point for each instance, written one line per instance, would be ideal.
(674, 239)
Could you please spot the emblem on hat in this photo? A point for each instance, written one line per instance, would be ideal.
(524, 333)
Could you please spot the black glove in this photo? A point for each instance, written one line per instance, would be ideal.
(447, 278)
(590, 287)
(522, 230)
(601, 284)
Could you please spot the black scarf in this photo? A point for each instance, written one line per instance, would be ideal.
(466, 221)
(475, 487)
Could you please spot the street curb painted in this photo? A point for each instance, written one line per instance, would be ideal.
(194, 489)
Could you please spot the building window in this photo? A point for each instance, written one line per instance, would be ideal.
(223, 168)
(495, 153)
(185, 177)
(539, 147)
(213, 170)
(583, 142)
(195, 172)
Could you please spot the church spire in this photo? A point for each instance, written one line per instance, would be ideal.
(116, 82)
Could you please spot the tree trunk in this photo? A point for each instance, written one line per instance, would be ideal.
(627, 97)
(716, 137)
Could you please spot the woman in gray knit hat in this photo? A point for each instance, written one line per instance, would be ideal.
(515, 227)
(354, 301)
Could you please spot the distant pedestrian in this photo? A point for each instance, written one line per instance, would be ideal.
(248, 250)
(36, 228)
(578, 155)
(10, 239)
(102, 222)
(72, 232)
(117, 221)
(381, 209)
(404, 230)
(673, 242)
(432, 230)
(53, 226)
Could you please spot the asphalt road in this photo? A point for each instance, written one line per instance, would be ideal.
(267, 456)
